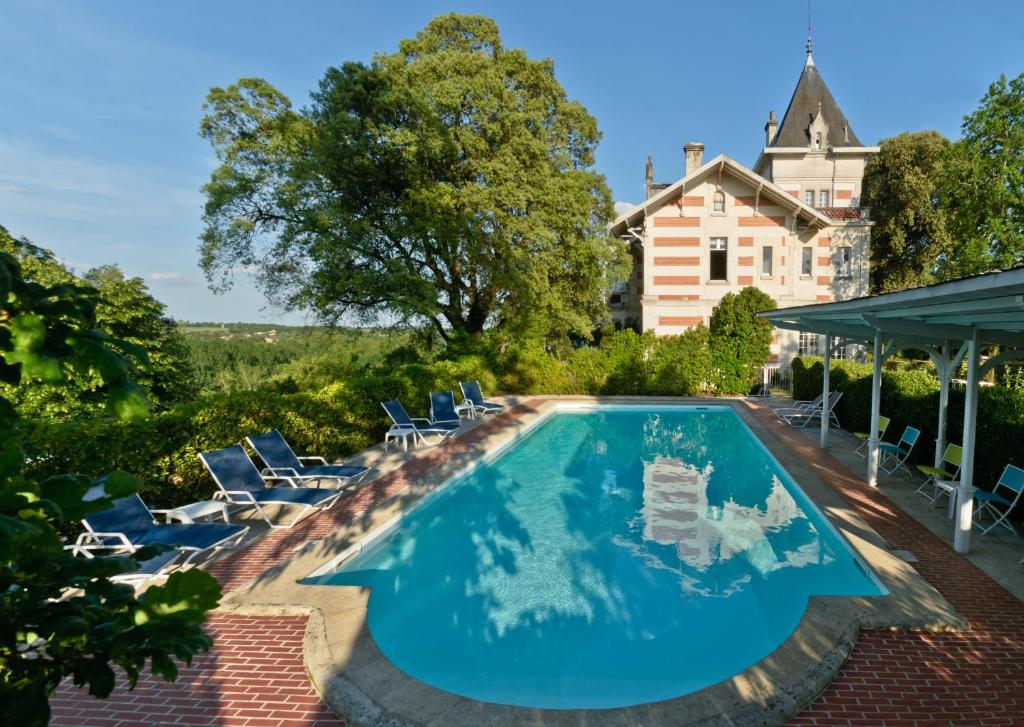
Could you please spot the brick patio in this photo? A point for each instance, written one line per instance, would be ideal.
(254, 673)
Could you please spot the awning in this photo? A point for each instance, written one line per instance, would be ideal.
(952, 322)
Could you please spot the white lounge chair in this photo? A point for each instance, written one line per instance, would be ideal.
(806, 416)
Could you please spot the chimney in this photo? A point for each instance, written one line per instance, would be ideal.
(649, 177)
(770, 128)
(694, 156)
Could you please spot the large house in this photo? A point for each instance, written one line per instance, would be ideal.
(792, 225)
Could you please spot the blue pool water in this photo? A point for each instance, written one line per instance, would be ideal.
(611, 557)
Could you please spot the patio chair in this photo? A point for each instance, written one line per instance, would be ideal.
(941, 480)
(475, 398)
(862, 450)
(893, 457)
(404, 425)
(242, 484)
(802, 418)
(282, 462)
(129, 525)
(1012, 483)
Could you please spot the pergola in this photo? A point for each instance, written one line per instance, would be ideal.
(952, 322)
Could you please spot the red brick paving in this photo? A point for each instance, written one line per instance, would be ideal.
(254, 674)
(971, 678)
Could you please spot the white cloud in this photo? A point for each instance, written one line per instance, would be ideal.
(166, 277)
(622, 208)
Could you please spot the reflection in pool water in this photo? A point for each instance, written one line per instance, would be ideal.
(612, 557)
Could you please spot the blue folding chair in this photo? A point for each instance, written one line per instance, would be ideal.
(997, 504)
(242, 484)
(894, 456)
(281, 462)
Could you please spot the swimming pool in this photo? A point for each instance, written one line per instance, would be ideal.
(611, 557)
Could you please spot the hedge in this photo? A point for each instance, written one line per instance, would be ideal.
(345, 416)
(910, 397)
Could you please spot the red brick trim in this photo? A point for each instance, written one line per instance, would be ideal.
(689, 261)
(746, 242)
(762, 221)
(680, 320)
(674, 221)
(677, 280)
(677, 242)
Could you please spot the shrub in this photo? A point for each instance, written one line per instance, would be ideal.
(910, 397)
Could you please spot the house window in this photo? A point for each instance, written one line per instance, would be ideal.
(807, 345)
(809, 197)
(805, 261)
(844, 262)
(719, 203)
(823, 198)
(841, 352)
(766, 262)
(719, 258)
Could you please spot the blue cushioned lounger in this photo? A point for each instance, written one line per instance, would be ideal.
(403, 422)
(475, 397)
(129, 525)
(241, 483)
(282, 462)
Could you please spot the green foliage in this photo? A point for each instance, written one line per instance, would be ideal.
(910, 397)
(901, 186)
(159, 366)
(449, 183)
(60, 615)
(985, 183)
(740, 340)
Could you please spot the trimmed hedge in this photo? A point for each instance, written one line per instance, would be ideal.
(910, 397)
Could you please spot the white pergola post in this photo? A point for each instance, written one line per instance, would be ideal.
(945, 372)
(876, 403)
(965, 493)
(825, 392)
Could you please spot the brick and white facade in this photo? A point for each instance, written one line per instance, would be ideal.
(791, 226)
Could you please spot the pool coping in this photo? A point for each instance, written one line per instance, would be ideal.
(359, 682)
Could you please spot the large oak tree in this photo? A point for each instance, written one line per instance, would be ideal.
(450, 182)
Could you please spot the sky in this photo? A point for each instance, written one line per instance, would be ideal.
(101, 161)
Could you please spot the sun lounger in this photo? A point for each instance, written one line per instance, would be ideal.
(282, 463)
(130, 525)
(242, 484)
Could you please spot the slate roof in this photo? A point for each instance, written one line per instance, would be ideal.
(803, 107)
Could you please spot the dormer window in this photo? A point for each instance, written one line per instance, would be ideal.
(718, 203)
(817, 141)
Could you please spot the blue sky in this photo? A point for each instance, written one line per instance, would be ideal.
(100, 159)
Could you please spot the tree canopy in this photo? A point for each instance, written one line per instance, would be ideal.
(902, 184)
(61, 615)
(123, 308)
(985, 183)
(448, 183)
(741, 341)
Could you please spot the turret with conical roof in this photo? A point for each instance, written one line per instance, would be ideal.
(814, 153)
